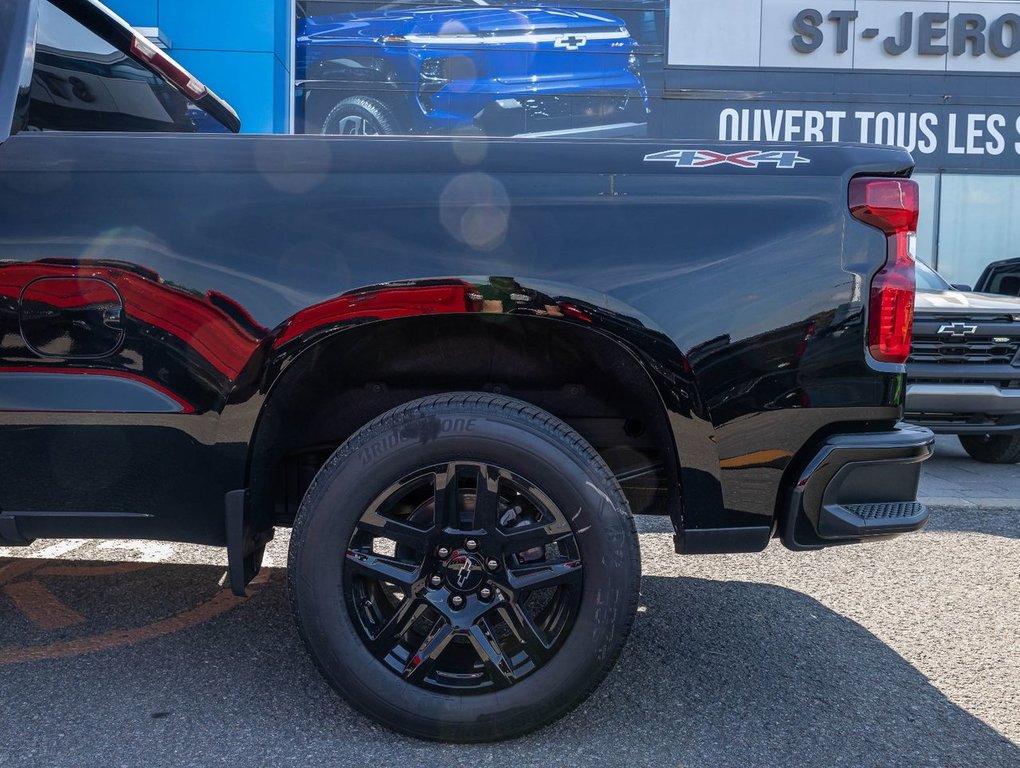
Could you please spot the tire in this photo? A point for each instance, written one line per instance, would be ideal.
(497, 667)
(992, 449)
(360, 116)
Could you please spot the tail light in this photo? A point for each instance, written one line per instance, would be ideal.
(167, 67)
(890, 205)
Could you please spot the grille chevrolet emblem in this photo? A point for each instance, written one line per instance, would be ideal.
(571, 42)
(958, 329)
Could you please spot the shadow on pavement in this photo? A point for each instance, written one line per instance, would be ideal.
(716, 674)
(991, 522)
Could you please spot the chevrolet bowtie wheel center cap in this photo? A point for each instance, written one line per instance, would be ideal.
(464, 571)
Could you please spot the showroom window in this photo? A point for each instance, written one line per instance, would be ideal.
(493, 67)
(977, 224)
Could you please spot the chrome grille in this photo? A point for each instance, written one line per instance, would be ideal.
(978, 339)
(599, 108)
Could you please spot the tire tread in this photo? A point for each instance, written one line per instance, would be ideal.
(1000, 449)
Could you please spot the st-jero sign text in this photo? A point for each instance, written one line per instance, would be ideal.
(932, 33)
(874, 35)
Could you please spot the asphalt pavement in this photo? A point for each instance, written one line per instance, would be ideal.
(899, 653)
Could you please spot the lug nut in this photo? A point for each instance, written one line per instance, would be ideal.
(456, 601)
(471, 544)
(485, 593)
(435, 581)
(492, 564)
(443, 552)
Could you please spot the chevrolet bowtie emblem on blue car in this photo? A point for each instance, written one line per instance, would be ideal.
(571, 42)
(958, 329)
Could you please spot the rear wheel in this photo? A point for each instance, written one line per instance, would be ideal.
(465, 568)
(992, 449)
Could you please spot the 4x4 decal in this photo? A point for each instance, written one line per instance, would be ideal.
(704, 158)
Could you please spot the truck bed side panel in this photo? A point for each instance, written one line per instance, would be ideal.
(742, 286)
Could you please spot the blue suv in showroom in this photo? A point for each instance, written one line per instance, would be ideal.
(467, 67)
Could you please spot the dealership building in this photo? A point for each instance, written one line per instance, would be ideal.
(940, 78)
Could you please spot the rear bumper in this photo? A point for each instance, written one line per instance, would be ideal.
(963, 408)
(859, 486)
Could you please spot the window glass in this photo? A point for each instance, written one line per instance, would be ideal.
(82, 83)
(977, 224)
(929, 280)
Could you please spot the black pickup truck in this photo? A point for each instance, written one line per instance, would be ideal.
(456, 367)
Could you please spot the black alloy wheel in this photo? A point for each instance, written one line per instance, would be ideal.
(463, 578)
(464, 568)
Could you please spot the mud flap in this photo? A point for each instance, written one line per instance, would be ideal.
(245, 547)
(10, 536)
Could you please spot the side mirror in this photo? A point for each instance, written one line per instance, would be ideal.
(963, 287)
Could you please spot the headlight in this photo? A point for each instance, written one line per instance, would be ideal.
(432, 70)
(432, 76)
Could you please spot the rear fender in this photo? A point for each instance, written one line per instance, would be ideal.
(660, 359)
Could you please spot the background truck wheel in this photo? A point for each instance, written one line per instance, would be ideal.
(992, 449)
(360, 116)
(464, 568)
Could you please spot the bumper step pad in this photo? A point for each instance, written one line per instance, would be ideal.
(876, 519)
(886, 511)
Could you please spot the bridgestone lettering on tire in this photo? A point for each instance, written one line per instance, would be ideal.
(464, 568)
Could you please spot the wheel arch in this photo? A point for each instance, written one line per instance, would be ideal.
(333, 80)
(326, 382)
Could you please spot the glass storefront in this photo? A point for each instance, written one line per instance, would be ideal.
(478, 67)
(979, 222)
(967, 222)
